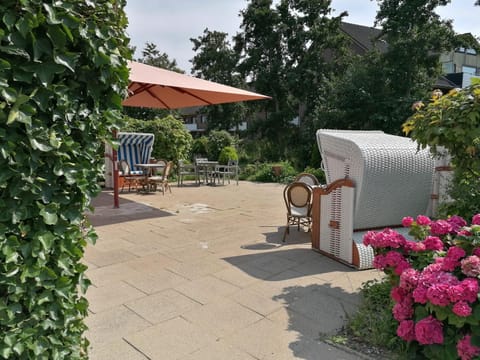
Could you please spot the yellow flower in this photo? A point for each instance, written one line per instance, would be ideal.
(417, 105)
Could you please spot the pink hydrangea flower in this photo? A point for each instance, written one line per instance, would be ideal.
(476, 252)
(391, 259)
(406, 330)
(407, 221)
(440, 227)
(409, 279)
(470, 289)
(471, 266)
(384, 239)
(466, 350)
(452, 259)
(455, 293)
(476, 219)
(462, 309)
(429, 331)
(437, 294)
(423, 220)
(397, 293)
(420, 295)
(414, 246)
(433, 243)
(464, 232)
(456, 222)
(403, 310)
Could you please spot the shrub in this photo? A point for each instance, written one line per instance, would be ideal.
(452, 122)
(63, 76)
(435, 284)
(200, 147)
(227, 153)
(373, 321)
(265, 173)
(172, 140)
(319, 174)
(217, 140)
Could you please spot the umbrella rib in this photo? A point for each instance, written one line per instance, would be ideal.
(183, 91)
(147, 87)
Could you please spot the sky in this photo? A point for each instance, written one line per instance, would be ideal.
(171, 23)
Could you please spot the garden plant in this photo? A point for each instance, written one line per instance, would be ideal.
(63, 76)
(434, 279)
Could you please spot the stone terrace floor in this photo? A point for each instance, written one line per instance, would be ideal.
(202, 274)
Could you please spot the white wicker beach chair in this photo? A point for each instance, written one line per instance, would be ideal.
(387, 179)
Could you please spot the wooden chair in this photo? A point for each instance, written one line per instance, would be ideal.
(128, 179)
(161, 180)
(298, 200)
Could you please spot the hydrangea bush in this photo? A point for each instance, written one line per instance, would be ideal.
(435, 284)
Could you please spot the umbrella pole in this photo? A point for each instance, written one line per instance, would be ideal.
(116, 201)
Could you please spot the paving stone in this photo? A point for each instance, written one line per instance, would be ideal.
(222, 317)
(172, 339)
(106, 297)
(162, 306)
(114, 323)
(117, 349)
(206, 289)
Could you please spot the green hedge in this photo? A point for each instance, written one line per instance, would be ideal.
(63, 76)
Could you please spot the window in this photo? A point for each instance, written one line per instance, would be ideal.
(448, 67)
(469, 70)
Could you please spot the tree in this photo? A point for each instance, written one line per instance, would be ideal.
(288, 51)
(217, 61)
(63, 75)
(152, 56)
(378, 89)
(416, 36)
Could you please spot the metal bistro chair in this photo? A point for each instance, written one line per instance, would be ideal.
(228, 171)
(298, 199)
(307, 178)
(185, 170)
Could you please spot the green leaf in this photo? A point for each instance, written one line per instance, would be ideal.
(41, 46)
(46, 239)
(14, 50)
(9, 19)
(19, 348)
(40, 146)
(51, 15)
(9, 94)
(50, 217)
(5, 65)
(66, 60)
(25, 24)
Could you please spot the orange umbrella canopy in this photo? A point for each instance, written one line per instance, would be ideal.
(154, 87)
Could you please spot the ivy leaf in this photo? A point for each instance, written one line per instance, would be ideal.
(46, 239)
(68, 61)
(14, 50)
(9, 19)
(51, 15)
(40, 146)
(50, 217)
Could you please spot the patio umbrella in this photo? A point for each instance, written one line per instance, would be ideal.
(154, 87)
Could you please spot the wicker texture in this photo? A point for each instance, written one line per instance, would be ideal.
(392, 179)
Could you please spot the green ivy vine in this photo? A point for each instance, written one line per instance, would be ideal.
(63, 76)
